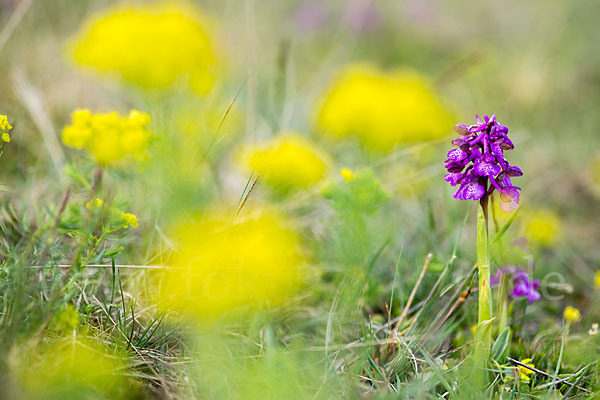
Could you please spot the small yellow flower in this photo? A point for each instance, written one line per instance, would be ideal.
(94, 204)
(130, 219)
(347, 174)
(6, 137)
(572, 314)
(597, 280)
(524, 372)
(4, 125)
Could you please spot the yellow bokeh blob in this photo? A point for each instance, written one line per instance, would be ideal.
(151, 46)
(70, 368)
(222, 264)
(543, 227)
(287, 161)
(382, 109)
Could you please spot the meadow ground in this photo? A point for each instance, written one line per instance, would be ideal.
(245, 199)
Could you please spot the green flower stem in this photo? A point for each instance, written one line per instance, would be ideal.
(483, 336)
(483, 263)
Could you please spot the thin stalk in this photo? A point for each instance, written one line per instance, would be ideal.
(483, 333)
(483, 262)
(503, 302)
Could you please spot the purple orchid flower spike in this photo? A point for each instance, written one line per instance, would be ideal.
(478, 167)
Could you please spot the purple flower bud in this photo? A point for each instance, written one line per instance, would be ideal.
(509, 198)
(459, 142)
(461, 129)
(480, 154)
(454, 167)
(506, 144)
(513, 171)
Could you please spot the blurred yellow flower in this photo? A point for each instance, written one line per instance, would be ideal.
(221, 265)
(543, 227)
(94, 204)
(151, 46)
(597, 280)
(109, 137)
(130, 219)
(69, 369)
(4, 125)
(525, 372)
(347, 174)
(382, 109)
(287, 162)
(572, 314)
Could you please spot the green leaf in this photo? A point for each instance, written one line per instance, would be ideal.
(501, 344)
(505, 227)
(483, 329)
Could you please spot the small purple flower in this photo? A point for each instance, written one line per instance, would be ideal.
(522, 285)
(478, 165)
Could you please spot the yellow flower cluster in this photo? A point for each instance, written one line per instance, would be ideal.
(109, 137)
(5, 126)
(525, 372)
(221, 265)
(382, 109)
(287, 162)
(543, 227)
(151, 46)
(98, 203)
(130, 219)
(572, 314)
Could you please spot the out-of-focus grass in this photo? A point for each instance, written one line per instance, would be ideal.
(366, 234)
